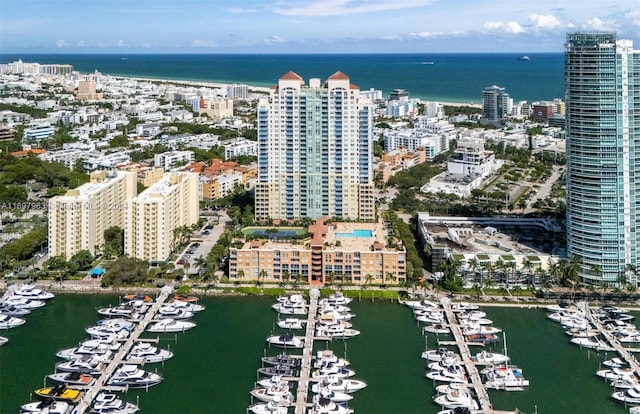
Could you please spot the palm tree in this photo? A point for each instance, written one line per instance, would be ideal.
(262, 275)
(391, 277)
(200, 262)
(368, 279)
(240, 274)
(331, 277)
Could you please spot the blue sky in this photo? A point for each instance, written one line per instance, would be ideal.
(306, 26)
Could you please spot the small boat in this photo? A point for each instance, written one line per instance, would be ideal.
(60, 392)
(457, 398)
(281, 359)
(138, 296)
(421, 304)
(437, 329)
(328, 356)
(489, 358)
(134, 377)
(503, 377)
(32, 292)
(591, 342)
(453, 373)
(330, 370)
(457, 410)
(434, 318)
(326, 406)
(475, 329)
(188, 306)
(464, 307)
(148, 353)
(336, 298)
(625, 382)
(171, 325)
(272, 407)
(47, 406)
(286, 341)
(10, 310)
(90, 347)
(126, 310)
(615, 363)
(443, 363)
(335, 332)
(23, 303)
(634, 410)
(271, 380)
(278, 370)
(294, 300)
(451, 386)
(348, 385)
(335, 396)
(292, 323)
(333, 316)
(111, 404)
(525, 57)
(277, 392)
(328, 307)
(3, 340)
(71, 378)
(289, 310)
(186, 298)
(628, 396)
(7, 322)
(438, 354)
(85, 365)
(173, 312)
(482, 339)
(100, 332)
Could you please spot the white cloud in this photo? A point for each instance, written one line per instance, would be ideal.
(239, 10)
(146, 45)
(120, 43)
(508, 27)
(633, 16)
(392, 37)
(81, 43)
(61, 43)
(274, 40)
(546, 21)
(596, 23)
(204, 43)
(319, 8)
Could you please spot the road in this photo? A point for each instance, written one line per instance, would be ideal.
(545, 188)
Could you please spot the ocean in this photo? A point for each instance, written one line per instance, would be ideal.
(215, 363)
(452, 77)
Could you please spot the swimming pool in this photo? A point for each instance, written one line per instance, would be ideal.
(357, 234)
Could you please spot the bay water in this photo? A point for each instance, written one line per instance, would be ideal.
(214, 366)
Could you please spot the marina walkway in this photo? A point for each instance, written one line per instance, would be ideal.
(472, 370)
(119, 358)
(307, 352)
(614, 344)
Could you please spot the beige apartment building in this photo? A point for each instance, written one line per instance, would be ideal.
(153, 216)
(78, 219)
(355, 253)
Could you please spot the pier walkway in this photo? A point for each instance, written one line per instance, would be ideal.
(307, 353)
(614, 344)
(119, 358)
(472, 370)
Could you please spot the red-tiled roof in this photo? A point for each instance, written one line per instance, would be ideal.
(291, 75)
(24, 153)
(338, 76)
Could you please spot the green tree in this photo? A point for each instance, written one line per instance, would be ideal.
(125, 271)
(83, 259)
(114, 241)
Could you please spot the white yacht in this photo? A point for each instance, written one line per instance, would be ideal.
(292, 323)
(277, 392)
(504, 377)
(437, 328)
(328, 307)
(334, 316)
(32, 292)
(7, 322)
(457, 398)
(489, 358)
(272, 380)
(443, 364)
(127, 310)
(329, 370)
(289, 310)
(474, 329)
(24, 303)
(328, 356)
(111, 404)
(437, 354)
(278, 371)
(134, 377)
(85, 365)
(49, 406)
(90, 347)
(173, 312)
(281, 359)
(433, 318)
(13, 311)
(347, 385)
(271, 407)
(286, 341)
(144, 351)
(325, 406)
(101, 332)
(188, 306)
(171, 325)
(72, 379)
(335, 396)
(464, 307)
(591, 342)
(421, 304)
(335, 332)
(3, 340)
(295, 300)
(336, 298)
(453, 373)
(628, 396)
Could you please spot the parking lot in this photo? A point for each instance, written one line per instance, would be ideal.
(208, 236)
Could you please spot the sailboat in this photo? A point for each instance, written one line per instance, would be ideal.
(503, 376)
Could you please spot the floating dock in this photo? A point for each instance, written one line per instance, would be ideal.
(472, 370)
(100, 384)
(301, 404)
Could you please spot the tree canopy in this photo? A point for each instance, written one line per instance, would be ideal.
(125, 271)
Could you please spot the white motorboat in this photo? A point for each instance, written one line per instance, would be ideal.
(625, 382)
(628, 396)
(474, 329)
(90, 347)
(451, 386)
(613, 373)
(489, 358)
(456, 399)
(336, 298)
(7, 322)
(292, 323)
(433, 318)
(504, 377)
(335, 332)
(437, 354)
(111, 404)
(173, 312)
(134, 377)
(13, 311)
(117, 324)
(329, 307)
(85, 365)
(479, 321)
(288, 310)
(271, 407)
(581, 333)
(328, 356)
(464, 307)
(421, 304)
(32, 292)
(48, 406)
(329, 370)
(281, 359)
(348, 385)
(23, 303)
(278, 392)
(292, 300)
(127, 310)
(286, 341)
(325, 406)
(634, 410)
(3, 340)
(459, 410)
(189, 306)
(144, 351)
(453, 373)
(615, 362)
(438, 329)
(278, 371)
(333, 316)
(335, 396)
(444, 363)
(100, 332)
(72, 379)
(591, 342)
(272, 380)
(171, 325)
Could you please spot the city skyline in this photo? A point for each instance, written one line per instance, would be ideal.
(336, 26)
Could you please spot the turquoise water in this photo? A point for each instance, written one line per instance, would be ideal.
(215, 364)
(451, 77)
(357, 234)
